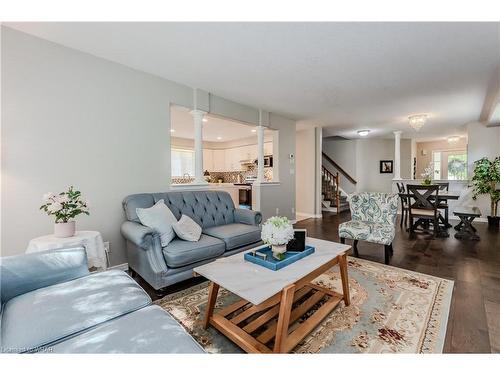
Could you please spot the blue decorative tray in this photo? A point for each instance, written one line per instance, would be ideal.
(274, 264)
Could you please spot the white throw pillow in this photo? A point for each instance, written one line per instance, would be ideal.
(187, 229)
(160, 218)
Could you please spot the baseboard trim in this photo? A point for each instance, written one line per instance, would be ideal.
(316, 216)
(479, 219)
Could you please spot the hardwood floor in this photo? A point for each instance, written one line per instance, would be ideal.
(474, 322)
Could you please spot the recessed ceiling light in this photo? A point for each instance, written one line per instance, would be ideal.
(453, 139)
(205, 120)
(254, 130)
(219, 138)
(363, 133)
(172, 130)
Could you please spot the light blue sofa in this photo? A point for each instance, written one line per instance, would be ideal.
(226, 230)
(50, 303)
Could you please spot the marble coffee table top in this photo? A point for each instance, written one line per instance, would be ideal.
(255, 283)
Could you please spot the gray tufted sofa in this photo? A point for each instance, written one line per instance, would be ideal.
(226, 230)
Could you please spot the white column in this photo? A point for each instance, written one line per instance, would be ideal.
(260, 150)
(198, 146)
(397, 155)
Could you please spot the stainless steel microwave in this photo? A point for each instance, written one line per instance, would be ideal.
(268, 161)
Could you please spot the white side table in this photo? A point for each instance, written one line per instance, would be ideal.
(90, 240)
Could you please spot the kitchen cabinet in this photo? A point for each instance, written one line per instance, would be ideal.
(219, 160)
(268, 148)
(208, 160)
(228, 160)
(248, 152)
(233, 157)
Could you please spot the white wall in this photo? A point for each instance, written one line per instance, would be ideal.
(72, 118)
(343, 152)
(361, 159)
(482, 142)
(278, 196)
(305, 162)
(369, 152)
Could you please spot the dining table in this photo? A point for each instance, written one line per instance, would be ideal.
(441, 196)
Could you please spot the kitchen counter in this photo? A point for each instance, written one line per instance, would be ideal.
(223, 184)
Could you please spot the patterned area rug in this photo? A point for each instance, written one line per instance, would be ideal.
(392, 311)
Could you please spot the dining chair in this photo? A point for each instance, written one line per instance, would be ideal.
(443, 203)
(404, 204)
(425, 206)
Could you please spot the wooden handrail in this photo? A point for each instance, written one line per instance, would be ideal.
(339, 168)
(336, 177)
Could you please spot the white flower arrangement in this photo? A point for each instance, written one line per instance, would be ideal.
(65, 205)
(277, 231)
(428, 174)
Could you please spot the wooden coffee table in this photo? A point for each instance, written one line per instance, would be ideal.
(272, 302)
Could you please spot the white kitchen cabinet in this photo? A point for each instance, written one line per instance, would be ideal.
(227, 159)
(208, 160)
(219, 160)
(232, 156)
(245, 153)
(268, 148)
(230, 159)
(250, 152)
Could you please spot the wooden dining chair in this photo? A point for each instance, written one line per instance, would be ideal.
(425, 206)
(443, 203)
(404, 205)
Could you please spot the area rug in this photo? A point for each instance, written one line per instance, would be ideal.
(392, 311)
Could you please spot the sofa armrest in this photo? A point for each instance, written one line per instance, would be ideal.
(247, 216)
(21, 274)
(138, 234)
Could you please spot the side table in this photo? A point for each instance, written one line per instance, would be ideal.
(90, 240)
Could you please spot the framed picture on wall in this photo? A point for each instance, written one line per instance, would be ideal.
(385, 166)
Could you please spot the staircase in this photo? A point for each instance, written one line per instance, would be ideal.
(333, 198)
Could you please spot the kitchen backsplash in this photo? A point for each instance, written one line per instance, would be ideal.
(182, 180)
(231, 177)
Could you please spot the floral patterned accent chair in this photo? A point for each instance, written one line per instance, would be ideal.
(373, 219)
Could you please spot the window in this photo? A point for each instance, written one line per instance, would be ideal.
(182, 162)
(450, 165)
(436, 162)
(457, 166)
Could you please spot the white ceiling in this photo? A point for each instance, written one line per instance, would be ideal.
(215, 129)
(345, 76)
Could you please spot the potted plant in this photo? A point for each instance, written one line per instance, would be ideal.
(65, 206)
(485, 180)
(277, 231)
(427, 175)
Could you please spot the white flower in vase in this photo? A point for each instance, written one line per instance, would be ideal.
(65, 207)
(277, 231)
(62, 199)
(47, 197)
(55, 206)
(428, 174)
